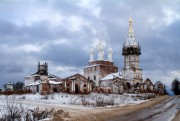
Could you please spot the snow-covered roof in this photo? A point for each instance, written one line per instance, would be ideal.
(10, 83)
(53, 76)
(34, 83)
(110, 76)
(38, 82)
(92, 65)
(53, 82)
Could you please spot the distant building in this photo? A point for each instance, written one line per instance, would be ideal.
(42, 81)
(10, 86)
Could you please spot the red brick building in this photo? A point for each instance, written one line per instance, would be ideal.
(77, 84)
(45, 83)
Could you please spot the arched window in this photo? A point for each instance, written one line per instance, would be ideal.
(128, 85)
(94, 77)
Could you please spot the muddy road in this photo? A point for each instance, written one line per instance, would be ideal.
(164, 111)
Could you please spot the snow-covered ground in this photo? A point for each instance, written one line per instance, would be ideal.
(69, 99)
(30, 101)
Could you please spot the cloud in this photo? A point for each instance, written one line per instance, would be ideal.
(64, 71)
(61, 32)
(24, 47)
(171, 16)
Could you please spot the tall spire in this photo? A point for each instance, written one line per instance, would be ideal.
(110, 51)
(130, 31)
(100, 36)
(100, 47)
(109, 42)
(131, 41)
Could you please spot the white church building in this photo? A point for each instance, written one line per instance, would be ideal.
(131, 51)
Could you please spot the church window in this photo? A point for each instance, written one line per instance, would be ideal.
(94, 77)
(128, 85)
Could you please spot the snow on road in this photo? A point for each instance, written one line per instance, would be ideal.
(164, 111)
(168, 111)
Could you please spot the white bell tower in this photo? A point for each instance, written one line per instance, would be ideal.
(131, 52)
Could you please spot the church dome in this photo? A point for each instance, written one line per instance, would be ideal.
(109, 50)
(100, 47)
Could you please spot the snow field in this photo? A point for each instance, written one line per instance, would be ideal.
(69, 99)
(28, 102)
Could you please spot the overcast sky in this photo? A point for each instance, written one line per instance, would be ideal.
(62, 31)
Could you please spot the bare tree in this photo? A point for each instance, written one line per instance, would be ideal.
(12, 109)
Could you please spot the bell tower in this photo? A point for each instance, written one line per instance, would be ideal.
(42, 68)
(131, 52)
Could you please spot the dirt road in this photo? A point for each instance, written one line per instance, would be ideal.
(164, 111)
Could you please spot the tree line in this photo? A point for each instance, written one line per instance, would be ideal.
(175, 86)
(16, 86)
